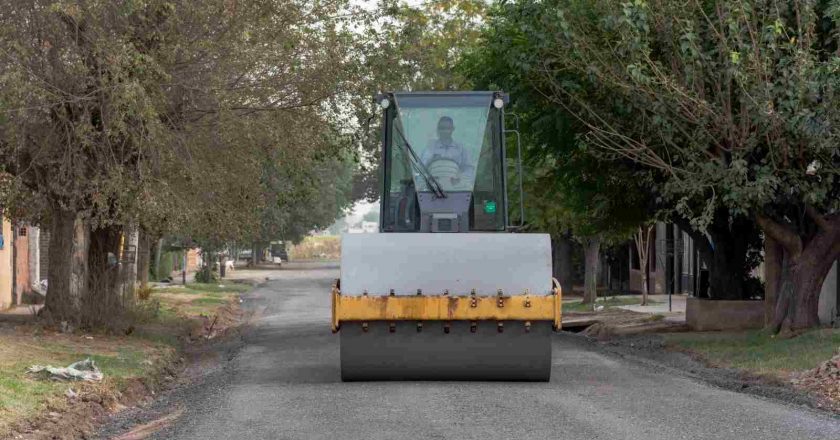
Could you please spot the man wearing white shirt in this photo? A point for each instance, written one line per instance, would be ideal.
(444, 147)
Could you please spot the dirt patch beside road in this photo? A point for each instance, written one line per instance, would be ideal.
(34, 408)
(180, 323)
(659, 352)
(809, 362)
(612, 321)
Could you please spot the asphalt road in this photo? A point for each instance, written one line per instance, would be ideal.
(284, 384)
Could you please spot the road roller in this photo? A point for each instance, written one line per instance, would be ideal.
(448, 289)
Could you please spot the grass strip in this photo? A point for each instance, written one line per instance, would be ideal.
(758, 351)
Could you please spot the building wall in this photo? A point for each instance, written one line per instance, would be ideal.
(654, 282)
(34, 255)
(828, 306)
(6, 266)
(686, 259)
(193, 260)
(635, 280)
(658, 255)
(23, 284)
(674, 262)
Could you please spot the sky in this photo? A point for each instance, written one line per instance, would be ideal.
(361, 208)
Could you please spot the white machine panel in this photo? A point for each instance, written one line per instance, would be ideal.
(406, 262)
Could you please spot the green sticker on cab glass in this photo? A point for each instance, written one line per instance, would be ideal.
(489, 206)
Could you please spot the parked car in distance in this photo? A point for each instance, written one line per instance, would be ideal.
(278, 252)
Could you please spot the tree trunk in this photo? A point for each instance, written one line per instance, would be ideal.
(592, 249)
(158, 255)
(128, 257)
(561, 252)
(773, 261)
(255, 252)
(143, 258)
(643, 247)
(103, 302)
(79, 282)
(804, 268)
(797, 303)
(799, 286)
(63, 302)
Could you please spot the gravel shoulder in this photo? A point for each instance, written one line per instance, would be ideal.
(652, 351)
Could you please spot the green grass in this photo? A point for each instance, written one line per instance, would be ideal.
(22, 394)
(578, 306)
(221, 287)
(120, 358)
(208, 301)
(758, 351)
(171, 339)
(126, 363)
(205, 288)
(196, 299)
(123, 361)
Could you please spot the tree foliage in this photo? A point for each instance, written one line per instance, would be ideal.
(735, 103)
(413, 47)
(205, 118)
(567, 187)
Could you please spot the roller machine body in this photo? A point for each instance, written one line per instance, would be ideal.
(444, 291)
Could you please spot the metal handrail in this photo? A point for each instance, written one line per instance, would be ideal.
(518, 172)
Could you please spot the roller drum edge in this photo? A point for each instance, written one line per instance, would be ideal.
(431, 354)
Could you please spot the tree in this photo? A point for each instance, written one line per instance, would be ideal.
(79, 129)
(515, 42)
(111, 111)
(641, 238)
(425, 42)
(734, 103)
(416, 47)
(569, 192)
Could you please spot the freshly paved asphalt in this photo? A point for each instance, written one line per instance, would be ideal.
(284, 384)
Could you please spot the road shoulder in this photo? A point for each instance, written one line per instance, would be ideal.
(656, 353)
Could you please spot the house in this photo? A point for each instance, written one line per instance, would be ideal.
(6, 265)
(20, 253)
(674, 266)
(17, 252)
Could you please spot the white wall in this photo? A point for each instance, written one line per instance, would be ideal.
(828, 297)
(34, 254)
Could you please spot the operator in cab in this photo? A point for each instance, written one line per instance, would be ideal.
(446, 148)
